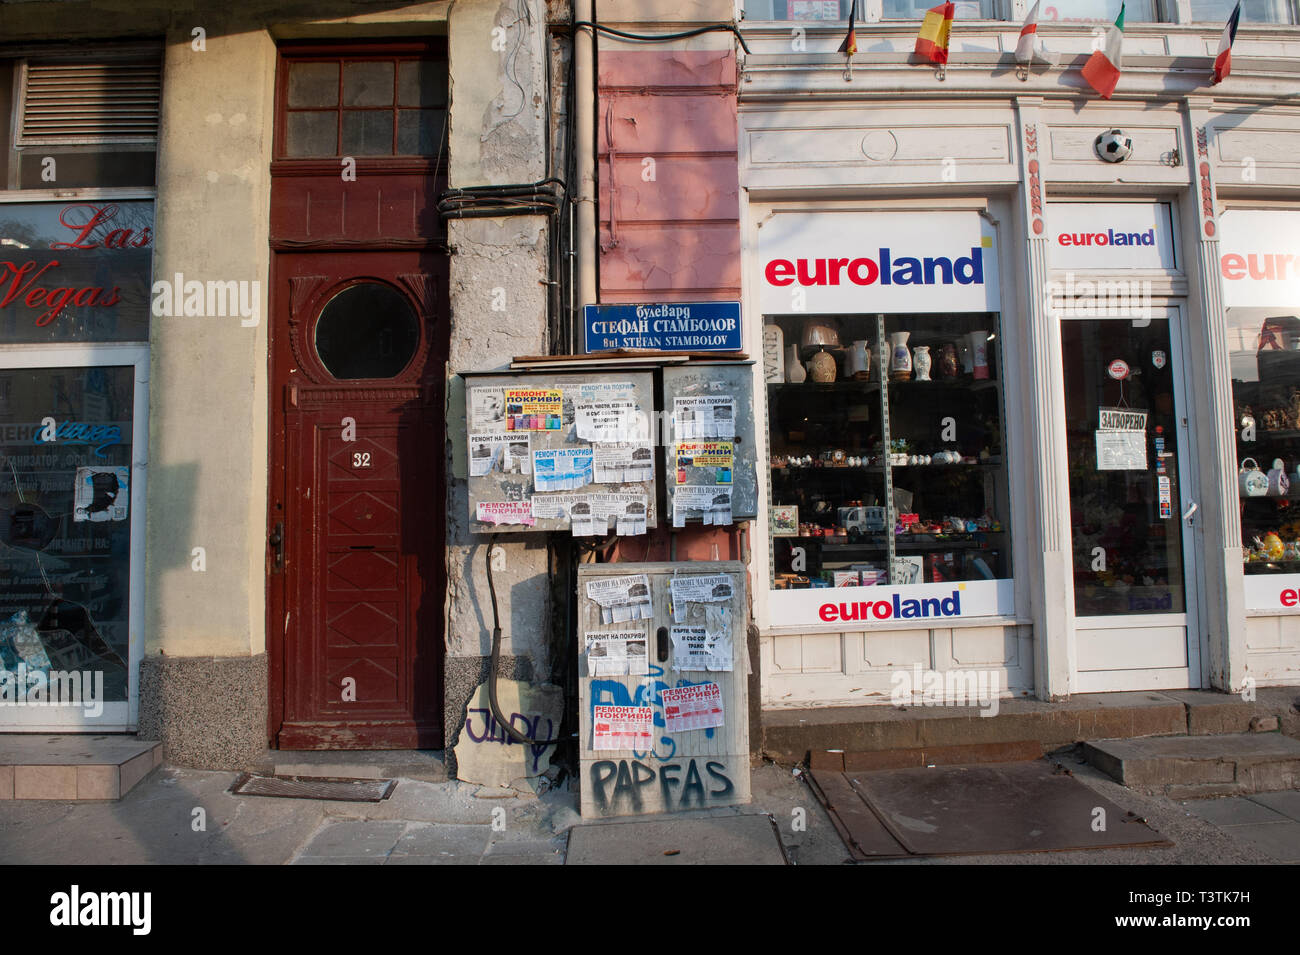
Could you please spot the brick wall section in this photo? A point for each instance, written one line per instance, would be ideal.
(676, 237)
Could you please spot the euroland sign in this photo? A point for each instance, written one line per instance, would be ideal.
(852, 608)
(1259, 258)
(853, 262)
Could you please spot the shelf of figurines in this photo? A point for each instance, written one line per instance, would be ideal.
(864, 528)
(1279, 546)
(839, 460)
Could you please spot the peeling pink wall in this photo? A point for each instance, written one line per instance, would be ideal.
(677, 237)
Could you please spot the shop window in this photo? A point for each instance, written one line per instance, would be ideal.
(365, 106)
(1257, 11)
(887, 451)
(1264, 346)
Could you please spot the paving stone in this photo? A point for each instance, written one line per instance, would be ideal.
(339, 860)
(1280, 840)
(1286, 802)
(1234, 811)
(442, 844)
(354, 839)
(736, 840)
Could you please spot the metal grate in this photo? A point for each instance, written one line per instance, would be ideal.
(310, 787)
(104, 102)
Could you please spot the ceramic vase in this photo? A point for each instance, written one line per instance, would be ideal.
(794, 369)
(948, 361)
(858, 363)
(821, 367)
(900, 359)
(921, 362)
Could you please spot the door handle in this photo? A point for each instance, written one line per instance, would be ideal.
(1191, 509)
(276, 540)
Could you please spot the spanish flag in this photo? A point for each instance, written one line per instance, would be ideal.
(932, 41)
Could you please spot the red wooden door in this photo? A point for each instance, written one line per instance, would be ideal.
(358, 352)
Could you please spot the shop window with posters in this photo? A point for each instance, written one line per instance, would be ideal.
(886, 428)
(75, 288)
(1261, 295)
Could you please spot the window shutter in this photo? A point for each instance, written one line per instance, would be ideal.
(70, 103)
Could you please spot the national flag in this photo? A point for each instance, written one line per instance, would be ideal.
(1223, 62)
(1030, 47)
(1102, 69)
(932, 41)
(850, 44)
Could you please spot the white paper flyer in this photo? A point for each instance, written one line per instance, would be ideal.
(622, 598)
(622, 727)
(617, 653)
(692, 707)
(561, 469)
(707, 416)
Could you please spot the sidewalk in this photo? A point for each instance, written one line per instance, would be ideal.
(181, 816)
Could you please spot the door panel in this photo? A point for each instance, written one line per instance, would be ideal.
(358, 487)
(1128, 446)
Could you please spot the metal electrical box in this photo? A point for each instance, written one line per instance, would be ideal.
(711, 454)
(663, 692)
(561, 451)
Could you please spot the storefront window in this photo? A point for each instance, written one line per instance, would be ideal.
(1264, 355)
(887, 443)
(1260, 11)
(65, 531)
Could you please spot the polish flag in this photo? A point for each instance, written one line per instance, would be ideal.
(1102, 69)
(1029, 47)
(1223, 62)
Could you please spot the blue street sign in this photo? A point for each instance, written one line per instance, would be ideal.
(670, 326)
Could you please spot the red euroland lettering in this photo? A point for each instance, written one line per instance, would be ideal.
(1267, 266)
(1290, 598)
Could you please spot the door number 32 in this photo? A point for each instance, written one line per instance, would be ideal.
(361, 459)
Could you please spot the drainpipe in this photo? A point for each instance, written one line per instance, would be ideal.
(586, 238)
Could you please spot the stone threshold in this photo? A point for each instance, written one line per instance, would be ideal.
(74, 767)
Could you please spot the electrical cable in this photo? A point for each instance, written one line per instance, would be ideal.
(495, 706)
(662, 37)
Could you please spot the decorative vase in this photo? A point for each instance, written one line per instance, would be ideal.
(921, 362)
(979, 349)
(794, 369)
(821, 366)
(900, 359)
(948, 361)
(773, 353)
(858, 363)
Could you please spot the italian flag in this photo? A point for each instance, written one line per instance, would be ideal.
(1223, 61)
(1102, 69)
(932, 41)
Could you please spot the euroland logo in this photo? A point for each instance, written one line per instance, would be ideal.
(212, 299)
(36, 687)
(917, 687)
(898, 607)
(885, 269)
(1102, 299)
(1109, 237)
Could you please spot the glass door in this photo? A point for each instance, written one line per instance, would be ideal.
(1132, 504)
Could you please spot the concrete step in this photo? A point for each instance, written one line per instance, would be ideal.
(1186, 767)
(74, 767)
(788, 735)
(424, 764)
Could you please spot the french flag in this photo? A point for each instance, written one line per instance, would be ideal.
(1223, 62)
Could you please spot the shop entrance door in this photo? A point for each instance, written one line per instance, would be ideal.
(1133, 506)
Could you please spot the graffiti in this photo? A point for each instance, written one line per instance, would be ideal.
(648, 693)
(490, 731)
(620, 787)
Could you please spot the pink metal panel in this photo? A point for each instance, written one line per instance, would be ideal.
(682, 256)
(683, 189)
(644, 123)
(637, 69)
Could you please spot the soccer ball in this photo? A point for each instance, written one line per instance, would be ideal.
(1114, 145)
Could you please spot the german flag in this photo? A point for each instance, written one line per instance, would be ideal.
(850, 44)
(932, 41)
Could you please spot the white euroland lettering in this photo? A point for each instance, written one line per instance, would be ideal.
(211, 299)
(30, 686)
(76, 908)
(1084, 298)
(918, 687)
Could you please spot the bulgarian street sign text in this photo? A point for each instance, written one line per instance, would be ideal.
(669, 326)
